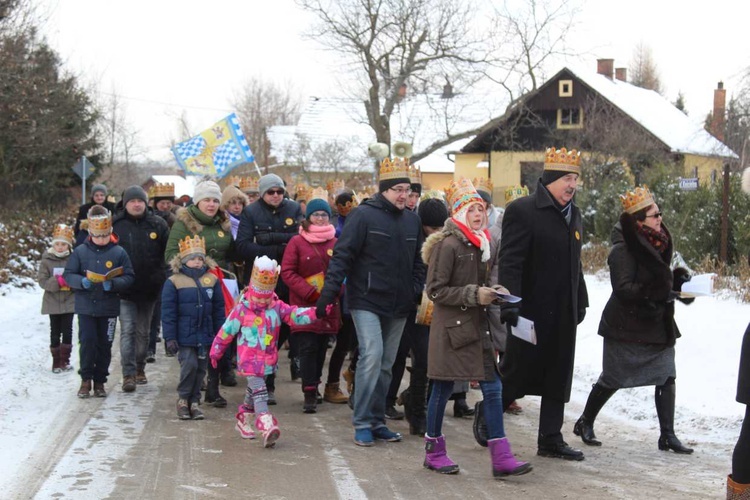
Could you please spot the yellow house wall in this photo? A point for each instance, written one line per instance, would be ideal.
(705, 167)
(505, 169)
(466, 165)
(437, 181)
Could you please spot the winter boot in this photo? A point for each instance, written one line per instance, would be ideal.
(737, 491)
(128, 383)
(244, 418)
(213, 398)
(348, 375)
(391, 413)
(514, 408)
(85, 391)
(311, 400)
(436, 458)
(140, 377)
(55, 351)
(461, 409)
(333, 394)
(584, 427)
(480, 424)
(503, 461)
(65, 350)
(99, 391)
(664, 396)
(228, 378)
(183, 410)
(195, 411)
(267, 425)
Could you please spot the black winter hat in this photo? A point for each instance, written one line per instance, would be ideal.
(433, 212)
(550, 176)
(134, 193)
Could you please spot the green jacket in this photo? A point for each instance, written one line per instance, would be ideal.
(215, 230)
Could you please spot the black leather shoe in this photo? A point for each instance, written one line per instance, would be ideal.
(461, 409)
(586, 430)
(667, 443)
(391, 413)
(480, 425)
(560, 450)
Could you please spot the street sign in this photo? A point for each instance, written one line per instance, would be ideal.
(79, 166)
(690, 184)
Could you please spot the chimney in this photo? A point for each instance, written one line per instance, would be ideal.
(605, 67)
(720, 104)
(621, 74)
(447, 90)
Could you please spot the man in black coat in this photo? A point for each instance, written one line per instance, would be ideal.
(378, 254)
(266, 227)
(540, 261)
(144, 236)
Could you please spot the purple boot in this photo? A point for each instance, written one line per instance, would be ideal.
(503, 461)
(435, 457)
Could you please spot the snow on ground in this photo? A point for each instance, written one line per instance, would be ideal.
(31, 396)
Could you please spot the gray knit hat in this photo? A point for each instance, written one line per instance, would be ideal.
(97, 188)
(134, 193)
(206, 190)
(269, 181)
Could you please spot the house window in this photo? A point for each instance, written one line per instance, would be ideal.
(565, 88)
(570, 118)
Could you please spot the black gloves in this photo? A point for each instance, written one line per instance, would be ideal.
(686, 300)
(680, 276)
(263, 239)
(320, 307)
(510, 315)
(581, 315)
(673, 296)
(172, 347)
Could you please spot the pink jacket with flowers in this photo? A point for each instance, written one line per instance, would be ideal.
(258, 329)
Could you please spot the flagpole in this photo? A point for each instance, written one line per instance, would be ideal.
(257, 169)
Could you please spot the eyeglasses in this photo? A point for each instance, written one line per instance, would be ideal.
(319, 215)
(401, 191)
(656, 215)
(275, 191)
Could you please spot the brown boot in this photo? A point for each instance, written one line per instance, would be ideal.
(65, 350)
(349, 377)
(737, 491)
(140, 377)
(55, 351)
(99, 391)
(128, 383)
(85, 390)
(333, 394)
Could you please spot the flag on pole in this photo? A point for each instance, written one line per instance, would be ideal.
(215, 151)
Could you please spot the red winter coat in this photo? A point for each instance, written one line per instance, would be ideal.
(301, 260)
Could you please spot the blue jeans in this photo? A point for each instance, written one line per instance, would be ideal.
(493, 406)
(135, 327)
(378, 338)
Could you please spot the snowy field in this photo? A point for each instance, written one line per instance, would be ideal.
(32, 397)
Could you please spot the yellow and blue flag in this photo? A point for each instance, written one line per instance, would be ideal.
(215, 151)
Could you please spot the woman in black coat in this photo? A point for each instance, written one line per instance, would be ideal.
(638, 321)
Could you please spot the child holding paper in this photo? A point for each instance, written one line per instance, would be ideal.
(460, 347)
(96, 301)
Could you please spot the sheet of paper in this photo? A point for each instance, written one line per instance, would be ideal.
(700, 285)
(506, 297)
(524, 330)
(58, 271)
(232, 287)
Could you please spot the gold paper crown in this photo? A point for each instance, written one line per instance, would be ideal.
(563, 160)
(415, 175)
(336, 186)
(483, 184)
(637, 199)
(63, 233)
(158, 190)
(319, 193)
(264, 281)
(245, 184)
(189, 246)
(460, 194)
(99, 221)
(515, 192)
(398, 168)
(304, 192)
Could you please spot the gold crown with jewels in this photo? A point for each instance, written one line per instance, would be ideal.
(61, 232)
(263, 281)
(515, 192)
(158, 190)
(483, 184)
(398, 168)
(415, 175)
(319, 193)
(637, 199)
(303, 192)
(245, 184)
(460, 194)
(99, 221)
(336, 186)
(563, 160)
(190, 246)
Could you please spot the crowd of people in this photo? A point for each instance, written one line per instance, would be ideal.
(401, 273)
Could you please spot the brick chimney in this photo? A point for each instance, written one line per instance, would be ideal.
(720, 105)
(605, 67)
(621, 74)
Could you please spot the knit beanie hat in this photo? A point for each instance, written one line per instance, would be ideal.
(99, 188)
(550, 176)
(269, 181)
(206, 190)
(134, 193)
(433, 212)
(231, 192)
(316, 205)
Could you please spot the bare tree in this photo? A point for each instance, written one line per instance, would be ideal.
(262, 103)
(643, 71)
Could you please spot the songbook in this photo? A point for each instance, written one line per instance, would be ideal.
(524, 330)
(701, 285)
(316, 280)
(101, 278)
(507, 298)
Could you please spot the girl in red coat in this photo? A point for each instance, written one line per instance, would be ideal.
(305, 262)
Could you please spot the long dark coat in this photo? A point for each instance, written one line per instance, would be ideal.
(743, 380)
(540, 261)
(638, 309)
(460, 345)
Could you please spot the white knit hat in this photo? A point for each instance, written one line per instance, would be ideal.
(206, 190)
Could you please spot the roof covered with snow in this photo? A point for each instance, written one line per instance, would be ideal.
(182, 185)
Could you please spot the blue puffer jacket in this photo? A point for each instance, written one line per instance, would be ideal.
(192, 305)
(99, 259)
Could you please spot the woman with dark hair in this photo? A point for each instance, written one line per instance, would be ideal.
(638, 321)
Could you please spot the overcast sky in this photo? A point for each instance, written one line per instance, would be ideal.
(167, 58)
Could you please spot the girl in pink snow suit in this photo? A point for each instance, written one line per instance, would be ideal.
(257, 318)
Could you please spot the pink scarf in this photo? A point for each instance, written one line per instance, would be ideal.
(318, 234)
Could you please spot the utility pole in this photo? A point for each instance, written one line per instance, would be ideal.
(724, 243)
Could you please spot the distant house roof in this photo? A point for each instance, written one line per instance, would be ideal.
(420, 119)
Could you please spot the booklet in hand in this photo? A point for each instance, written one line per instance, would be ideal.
(507, 298)
(100, 278)
(700, 285)
(524, 330)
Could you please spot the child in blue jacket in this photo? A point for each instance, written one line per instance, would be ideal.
(97, 270)
(192, 311)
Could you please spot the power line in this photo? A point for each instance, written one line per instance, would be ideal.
(170, 104)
